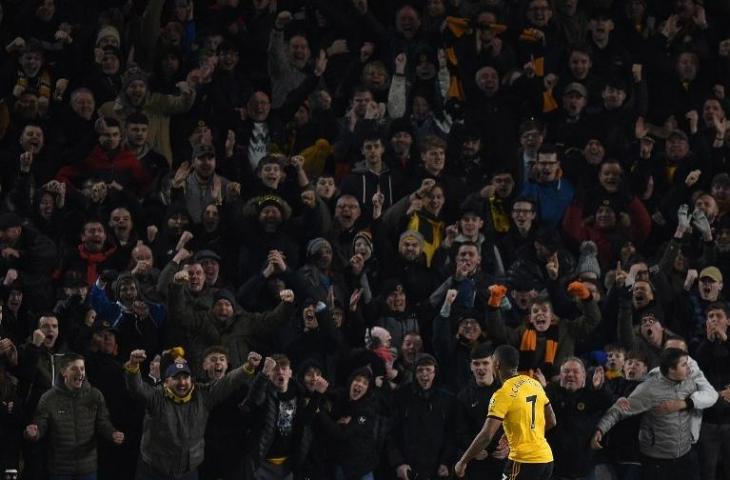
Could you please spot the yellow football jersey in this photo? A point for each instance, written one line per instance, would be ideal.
(520, 404)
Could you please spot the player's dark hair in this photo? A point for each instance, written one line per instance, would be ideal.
(508, 357)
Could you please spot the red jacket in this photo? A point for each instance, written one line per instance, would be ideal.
(124, 165)
(578, 232)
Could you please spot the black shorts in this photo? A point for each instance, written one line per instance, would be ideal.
(527, 471)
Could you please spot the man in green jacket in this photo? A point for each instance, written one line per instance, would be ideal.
(72, 413)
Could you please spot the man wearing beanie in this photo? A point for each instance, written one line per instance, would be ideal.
(421, 444)
(319, 272)
(177, 413)
(225, 323)
(471, 413)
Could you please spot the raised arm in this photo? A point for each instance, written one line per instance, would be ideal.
(135, 385)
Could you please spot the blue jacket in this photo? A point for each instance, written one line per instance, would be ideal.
(552, 199)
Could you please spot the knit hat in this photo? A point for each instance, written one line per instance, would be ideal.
(401, 124)
(588, 260)
(108, 31)
(173, 363)
(365, 236)
(132, 74)
(315, 245)
(411, 234)
(224, 294)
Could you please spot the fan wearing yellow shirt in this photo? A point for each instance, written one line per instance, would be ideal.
(521, 407)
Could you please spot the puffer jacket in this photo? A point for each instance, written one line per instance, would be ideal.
(72, 419)
(661, 436)
(173, 440)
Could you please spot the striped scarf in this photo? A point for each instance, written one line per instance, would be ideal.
(528, 347)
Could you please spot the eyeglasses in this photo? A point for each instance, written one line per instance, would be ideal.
(520, 211)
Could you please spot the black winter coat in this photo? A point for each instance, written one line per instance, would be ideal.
(355, 443)
(423, 431)
(577, 414)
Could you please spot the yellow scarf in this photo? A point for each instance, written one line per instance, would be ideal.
(177, 398)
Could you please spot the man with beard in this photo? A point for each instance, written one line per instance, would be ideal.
(266, 227)
(577, 409)
(136, 140)
(94, 254)
(409, 264)
(472, 407)
(202, 186)
(72, 414)
(177, 413)
(421, 441)
(545, 341)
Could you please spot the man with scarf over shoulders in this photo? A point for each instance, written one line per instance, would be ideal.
(545, 340)
(177, 411)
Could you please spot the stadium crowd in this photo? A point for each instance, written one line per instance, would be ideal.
(281, 239)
